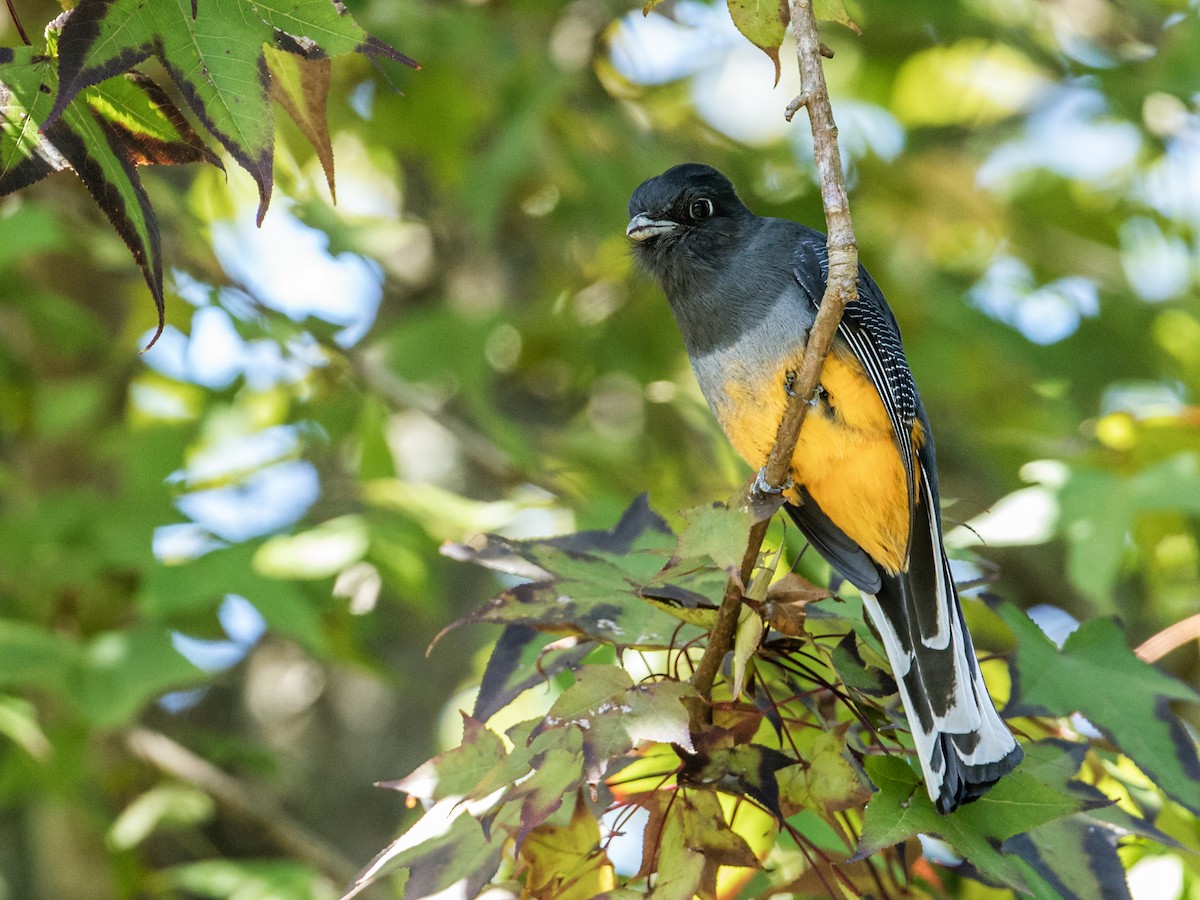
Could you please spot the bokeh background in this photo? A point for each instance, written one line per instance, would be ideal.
(225, 552)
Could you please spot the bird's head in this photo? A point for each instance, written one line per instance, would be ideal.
(689, 212)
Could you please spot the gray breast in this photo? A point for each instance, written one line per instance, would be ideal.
(777, 334)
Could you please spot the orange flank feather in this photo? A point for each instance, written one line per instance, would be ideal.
(846, 458)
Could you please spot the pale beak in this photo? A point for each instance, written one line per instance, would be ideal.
(642, 227)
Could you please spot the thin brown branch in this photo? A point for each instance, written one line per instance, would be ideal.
(840, 289)
(1170, 638)
(241, 800)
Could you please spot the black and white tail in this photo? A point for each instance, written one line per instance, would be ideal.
(963, 745)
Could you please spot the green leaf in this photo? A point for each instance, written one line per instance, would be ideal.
(615, 715)
(557, 775)
(34, 142)
(566, 863)
(34, 656)
(1076, 856)
(1098, 676)
(319, 552)
(122, 670)
(1074, 859)
(834, 11)
(748, 769)
(19, 723)
(1018, 802)
(436, 856)
(164, 805)
(599, 609)
(714, 532)
(152, 128)
(694, 841)
(636, 547)
(520, 660)
(456, 772)
(750, 628)
(221, 879)
(763, 23)
(1099, 508)
(827, 780)
(206, 55)
(589, 583)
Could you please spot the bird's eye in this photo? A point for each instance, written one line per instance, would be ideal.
(701, 209)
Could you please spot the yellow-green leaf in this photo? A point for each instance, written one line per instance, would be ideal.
(764, 23)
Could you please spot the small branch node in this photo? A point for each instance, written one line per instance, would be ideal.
(826, 50)
(798, 102)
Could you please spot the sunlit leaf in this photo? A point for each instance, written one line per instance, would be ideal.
(317, 553)
(455, 772)
(763, 22)
(596, 578)
(826, 779)
(151, 127)
(162, 806)
(834, 11)
(436, 856)
(567, 863)
(693, 841)
(750, 628)
(523, 658)
(616, 715)
(714, 532)
(228, 91)
(301, 86)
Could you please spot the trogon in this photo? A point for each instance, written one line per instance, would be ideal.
(745, 291)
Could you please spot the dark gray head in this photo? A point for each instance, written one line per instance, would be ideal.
(689, 215)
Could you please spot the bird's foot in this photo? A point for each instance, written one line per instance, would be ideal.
(789, 387)
(763, 487)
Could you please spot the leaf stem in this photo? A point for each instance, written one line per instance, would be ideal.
(840, 289)
(16, 20)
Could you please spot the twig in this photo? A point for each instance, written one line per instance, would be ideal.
(840, 289)
(241, 800)
(1170, 638)
(16, 20)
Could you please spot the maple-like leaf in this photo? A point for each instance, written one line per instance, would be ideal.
(1017, 803)
(32, 146)
(1097, 675)
(455, 772)
(566, 862)
(214, 52)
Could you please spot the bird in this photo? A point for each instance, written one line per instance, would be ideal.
(744, 291)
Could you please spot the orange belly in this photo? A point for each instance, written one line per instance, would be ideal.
(846, 457)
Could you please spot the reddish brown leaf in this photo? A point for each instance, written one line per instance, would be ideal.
(301, 86)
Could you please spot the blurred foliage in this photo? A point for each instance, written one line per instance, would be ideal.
(233, 540)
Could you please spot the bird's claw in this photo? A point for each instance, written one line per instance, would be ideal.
(818, 394)
(764, 487)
